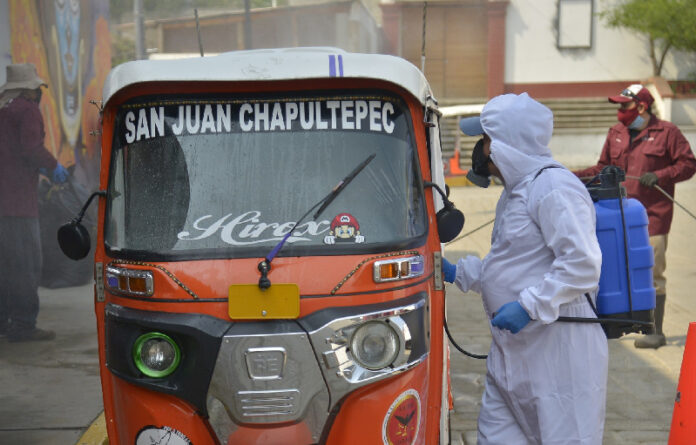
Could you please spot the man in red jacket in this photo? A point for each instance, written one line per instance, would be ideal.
(22, 156)
(656, 152)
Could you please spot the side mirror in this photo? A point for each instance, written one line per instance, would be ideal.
(449, 223)
(73, 240)
(449, 219)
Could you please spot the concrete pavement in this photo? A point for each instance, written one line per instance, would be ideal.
(50, 391)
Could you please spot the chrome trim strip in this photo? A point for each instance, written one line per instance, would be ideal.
(437, 268)
(99, 281)
(376, 315)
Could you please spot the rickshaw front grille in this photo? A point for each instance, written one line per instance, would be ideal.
(266, 373)
(267, 403)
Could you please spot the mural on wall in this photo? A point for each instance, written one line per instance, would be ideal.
(68, 41)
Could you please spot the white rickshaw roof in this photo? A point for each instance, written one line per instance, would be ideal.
(271, 64)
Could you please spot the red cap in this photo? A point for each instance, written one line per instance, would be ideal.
(636, 93)
(344, 219)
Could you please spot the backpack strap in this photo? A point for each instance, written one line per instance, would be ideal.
(587, 294)
(544, 168)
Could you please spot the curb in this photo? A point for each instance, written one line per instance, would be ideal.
(458, 181)
(96, 433)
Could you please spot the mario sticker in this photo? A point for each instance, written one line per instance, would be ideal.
(344, 228)
(402, 422)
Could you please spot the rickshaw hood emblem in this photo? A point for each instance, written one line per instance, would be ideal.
(265, 363)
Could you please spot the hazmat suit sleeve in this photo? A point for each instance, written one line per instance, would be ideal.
(469, 274)
(566, 220)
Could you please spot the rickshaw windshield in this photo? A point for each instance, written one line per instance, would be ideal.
(228, 176)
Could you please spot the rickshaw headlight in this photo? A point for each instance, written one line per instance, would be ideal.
(156, 355)
(374, 345)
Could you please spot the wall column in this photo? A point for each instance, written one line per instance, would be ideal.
(497, 10)
(391, 26)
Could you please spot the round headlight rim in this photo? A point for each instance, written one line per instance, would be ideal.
(137, 349)
(397, 349)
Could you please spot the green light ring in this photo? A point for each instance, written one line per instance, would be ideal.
(137, 349)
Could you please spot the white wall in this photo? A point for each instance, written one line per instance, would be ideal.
(684, 112)
(578, 149)
(5, 53)
(531, 55)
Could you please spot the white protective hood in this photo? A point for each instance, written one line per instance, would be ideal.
(520, 129)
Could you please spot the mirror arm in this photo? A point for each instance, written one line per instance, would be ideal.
(80, 215)
(445, 199)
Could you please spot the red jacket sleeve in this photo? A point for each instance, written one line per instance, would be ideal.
(683, 164)
(31, 139)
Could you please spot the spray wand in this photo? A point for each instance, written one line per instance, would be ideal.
(661, 190)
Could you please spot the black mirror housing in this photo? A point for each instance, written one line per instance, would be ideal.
(74, 240)
(449, 220)
(449, 223)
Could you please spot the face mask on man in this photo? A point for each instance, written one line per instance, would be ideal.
(479, 173)
(637, 123)
(630, 118)
(479, 161)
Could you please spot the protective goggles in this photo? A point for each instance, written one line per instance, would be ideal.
(630, 94)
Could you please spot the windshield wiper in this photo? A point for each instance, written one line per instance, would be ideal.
(265, 264)
(341, 185)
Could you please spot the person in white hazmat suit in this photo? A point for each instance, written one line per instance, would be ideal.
(546, 380)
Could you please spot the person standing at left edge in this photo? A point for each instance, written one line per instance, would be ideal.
(22, 156)
(546, 381)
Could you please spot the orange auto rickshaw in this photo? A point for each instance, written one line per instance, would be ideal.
(268, 251)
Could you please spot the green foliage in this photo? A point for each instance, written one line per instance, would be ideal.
(671, 20)
(666, 23)
(122, 50)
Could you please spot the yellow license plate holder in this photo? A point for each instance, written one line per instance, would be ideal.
(249, 301)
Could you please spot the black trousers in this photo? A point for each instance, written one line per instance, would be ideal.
(20, 272)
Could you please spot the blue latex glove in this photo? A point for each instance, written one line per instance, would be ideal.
(60, 174)
(449, 270)
(511, 316)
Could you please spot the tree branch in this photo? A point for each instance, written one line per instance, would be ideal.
(668, 46)
(653, 57)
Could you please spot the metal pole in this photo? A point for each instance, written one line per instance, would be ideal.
(425, 9)
(139, 31)
(198, 32)
(247, 24)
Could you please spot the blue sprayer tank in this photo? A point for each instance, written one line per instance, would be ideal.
(626, 285)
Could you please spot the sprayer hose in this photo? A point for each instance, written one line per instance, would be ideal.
(661, 190)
